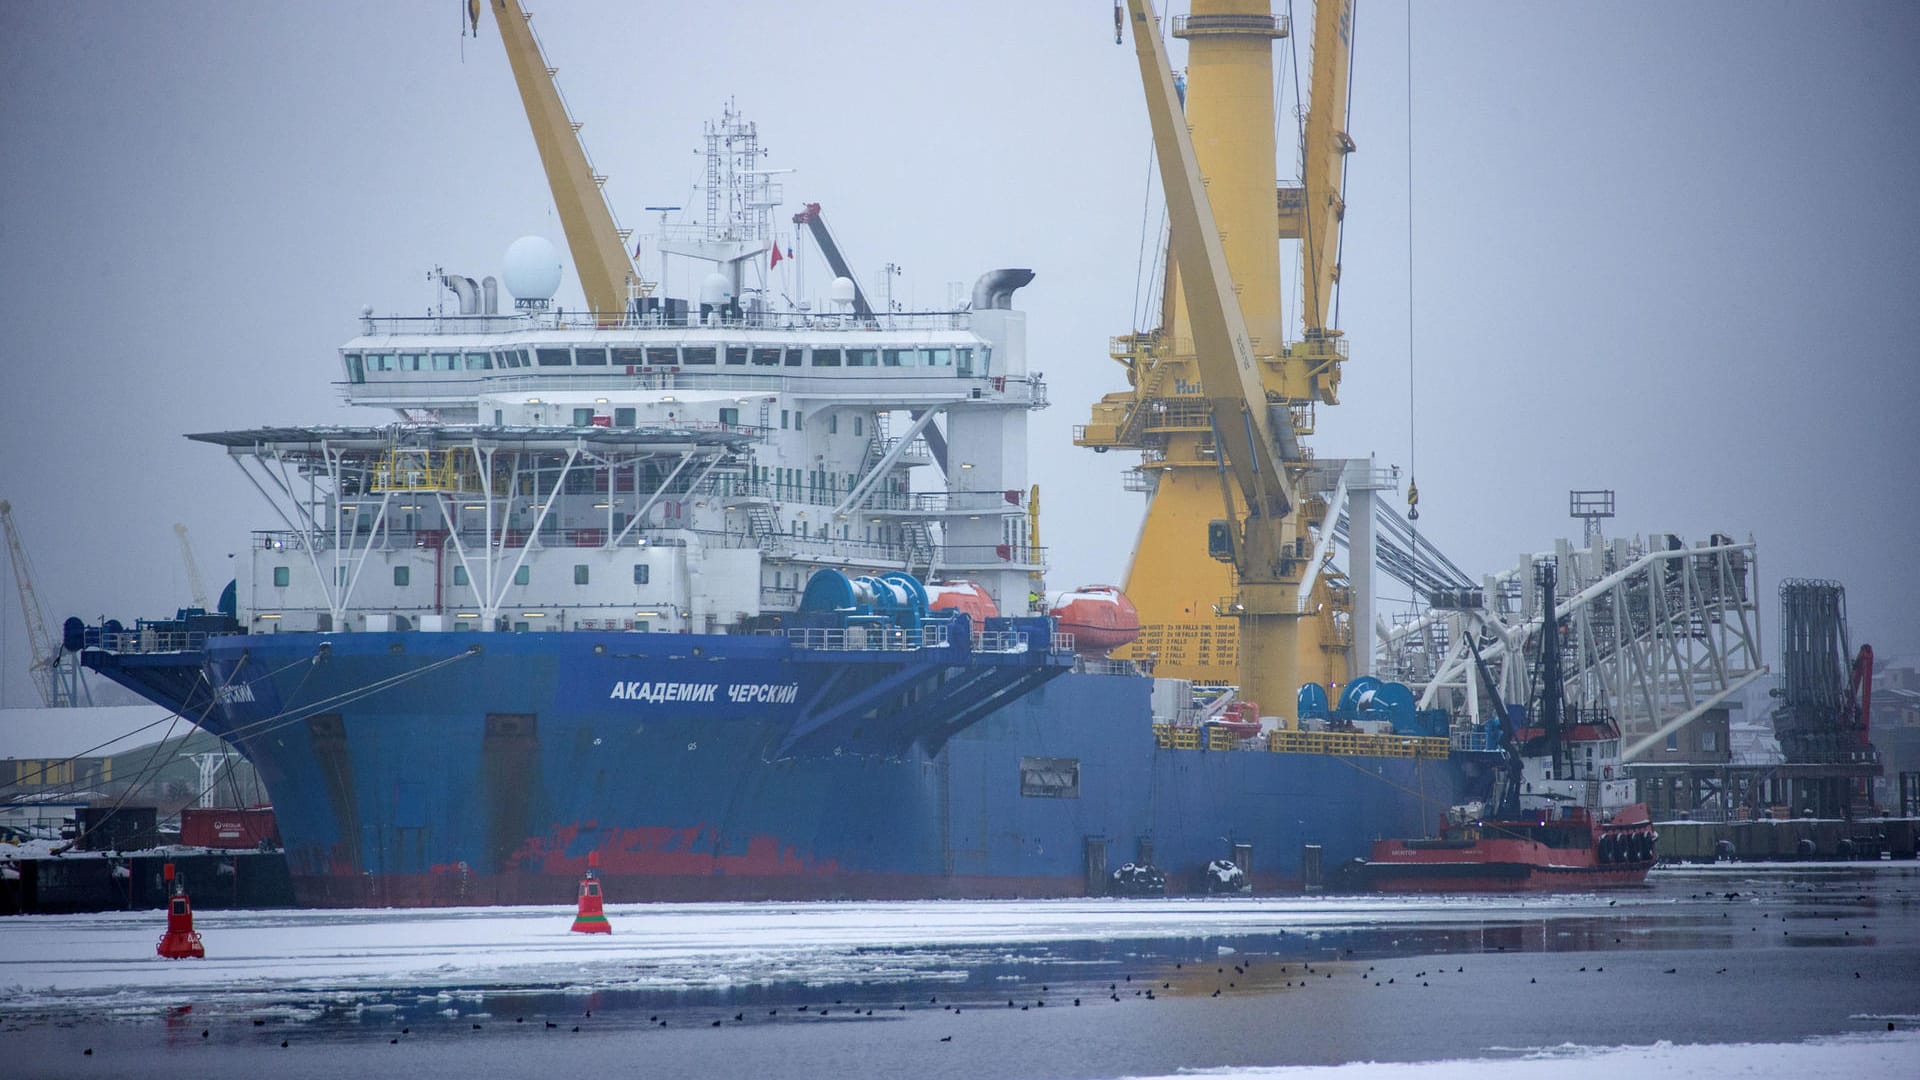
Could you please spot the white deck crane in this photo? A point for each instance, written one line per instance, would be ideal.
(55, 690)
(194, 581)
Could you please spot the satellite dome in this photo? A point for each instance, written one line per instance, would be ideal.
(715, 289)
(841, 291)
(532, 269)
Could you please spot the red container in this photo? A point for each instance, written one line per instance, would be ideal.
(227, 827)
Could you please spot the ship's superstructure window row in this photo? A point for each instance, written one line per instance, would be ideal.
(967, 361)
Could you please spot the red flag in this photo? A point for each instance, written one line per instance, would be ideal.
(776, 256)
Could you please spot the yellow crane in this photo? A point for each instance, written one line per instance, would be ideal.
(598, 244)
(1166, 413)
(1253, 432)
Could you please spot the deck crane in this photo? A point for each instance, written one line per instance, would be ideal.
(45, 652)
(1255, 435)
(194, 581)
(823, 236)
(1229, 111)
(600, 258)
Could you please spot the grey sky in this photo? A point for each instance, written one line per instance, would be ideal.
(1668, 249)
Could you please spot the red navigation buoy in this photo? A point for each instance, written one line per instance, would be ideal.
(181, 940)
(591, 919)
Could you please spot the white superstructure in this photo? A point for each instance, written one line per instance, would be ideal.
(682, 467)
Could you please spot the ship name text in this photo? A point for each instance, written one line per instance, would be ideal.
(737, 693)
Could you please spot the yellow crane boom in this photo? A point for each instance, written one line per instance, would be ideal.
(1255, 435)
(1244, 426)
(1312, 212)
(599, 249)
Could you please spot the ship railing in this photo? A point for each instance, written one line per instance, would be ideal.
(155, 641)
(437, 325)
(1000, 641)
(1357, 744)
(1473, 739)
(866, 638)
(1327, 743)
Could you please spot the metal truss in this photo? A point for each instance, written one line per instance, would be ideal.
(1653, 633)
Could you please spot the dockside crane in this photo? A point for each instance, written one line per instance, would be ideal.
(1254, 434)
(55, 691)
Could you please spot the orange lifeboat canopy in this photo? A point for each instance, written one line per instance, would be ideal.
(963, 596)
(1100, 618)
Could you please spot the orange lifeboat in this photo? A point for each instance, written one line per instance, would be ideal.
(963, 596)
(1100, 618)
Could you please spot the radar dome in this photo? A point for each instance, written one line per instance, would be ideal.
(715, 289)
(532, 269)
(841, 291)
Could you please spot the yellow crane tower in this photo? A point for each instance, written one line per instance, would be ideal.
(1251, 428)
(598, 244)
(1184, 601)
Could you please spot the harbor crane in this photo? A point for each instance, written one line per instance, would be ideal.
(1254, 434)
(57, 689)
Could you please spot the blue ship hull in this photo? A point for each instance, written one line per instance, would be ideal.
(422, 769)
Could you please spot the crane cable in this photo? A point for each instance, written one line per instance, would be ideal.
(1413, 484)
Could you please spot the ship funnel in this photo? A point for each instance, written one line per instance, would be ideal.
(995, 288)
(490, 295)
(466, 290)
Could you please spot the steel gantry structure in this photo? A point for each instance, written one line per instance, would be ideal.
(1653, 633)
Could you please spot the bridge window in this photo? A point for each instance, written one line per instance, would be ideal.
(282, 576)
(896, 357)
(413, 361)
(826, 358)
(380, 362)
(794, 357)
(698, 354)
(963, 359)
(629, 357)
(937, 357)
(663, 357)
(766, 357)
(403, 576)
(446, 361)
(590, 358)
(554, 357)
(479, 361)
(736, 354)
(862, 358)
(356, 369)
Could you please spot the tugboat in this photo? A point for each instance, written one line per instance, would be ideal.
(1566, 817)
